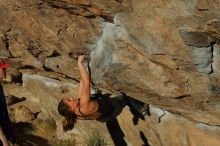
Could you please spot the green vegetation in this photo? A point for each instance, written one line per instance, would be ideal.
(93, 138)
(65, 143)
(48, 126)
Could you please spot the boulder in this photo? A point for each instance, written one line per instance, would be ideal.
(23, 114)
(163, 53)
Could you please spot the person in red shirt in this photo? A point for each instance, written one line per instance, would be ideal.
(6, 134)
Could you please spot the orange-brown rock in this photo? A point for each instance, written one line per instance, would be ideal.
(164, 53)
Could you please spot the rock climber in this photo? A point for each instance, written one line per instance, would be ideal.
(6, 132)
(86, 108)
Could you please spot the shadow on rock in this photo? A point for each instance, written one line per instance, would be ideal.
(10, 100)
(24, 136)
(116, 132)
(138, 109)
(144, 139)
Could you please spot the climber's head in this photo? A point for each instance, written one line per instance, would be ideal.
(66, 108)
(3, 67)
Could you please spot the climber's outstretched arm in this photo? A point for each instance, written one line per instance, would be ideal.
(80, 88)
(84, 93)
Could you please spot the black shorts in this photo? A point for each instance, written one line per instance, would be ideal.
(112, 110)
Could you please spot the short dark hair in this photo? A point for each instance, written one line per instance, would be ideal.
(70, 117)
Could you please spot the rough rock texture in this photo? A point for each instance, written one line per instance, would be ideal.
(164, 53)
(164, 128)
(23, 114)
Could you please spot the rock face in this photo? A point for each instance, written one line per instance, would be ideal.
(23, 114)
(164, 53)
(164, 128)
